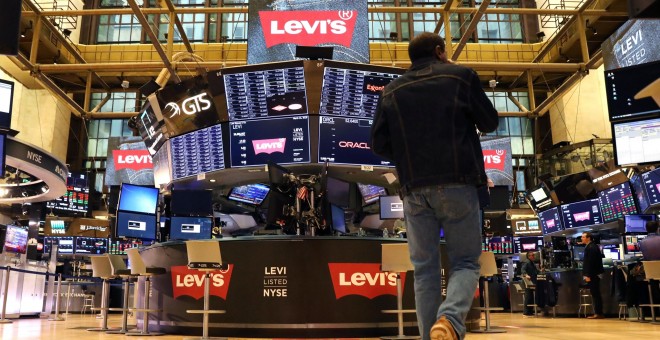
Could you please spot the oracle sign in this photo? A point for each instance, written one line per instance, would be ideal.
(190, 282)
(132, 159)
(308, 27)
(494, 159)
(364, 279)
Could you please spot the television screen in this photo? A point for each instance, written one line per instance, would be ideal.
(498, 244)
(280, 140)
(391, 207)
(346, 141)
(632, 242)
(192, 202)
(637, 223)
(637, 184)
(191, 228)
(651, 182)
(633, 91)
(636, 142)
(198, 152)
(6, 101)
(540, 198)
(525, 244)
(616, 202)
(338, 219)
(138, 199)
(526, 227)
(187, 106)
(16, 238)
(370, 192)
(91, 245)
(266, 90)
(65, 244)
(136, 225)
(550, 220)
(611, 251)
(580, 214)
(352, 90)
(251, 193)
(76, 198)
(338, 192)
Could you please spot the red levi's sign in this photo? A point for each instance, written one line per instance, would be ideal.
(190, 282)
(308, 28)
(364, 279)
(132, 159)
(494, 159)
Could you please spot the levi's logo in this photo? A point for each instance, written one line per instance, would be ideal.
(550, 223)
(186, 281)
(269, 145)
(132, 159)
(309, 28)
(364, 279)
(583, 216)
(494, 159)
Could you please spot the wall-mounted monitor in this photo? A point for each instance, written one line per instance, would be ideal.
(65, 244)
(637, 184)
(16, 238)
(633, 91)
(6, 102)
(651, 182)
(526, 227)
(280, 140)
(198, 152)
(132, 225)
(370, 193)
(525, 244)
(190, 228)
(550, 220)
(391, 207)
(139, 199)
(346, 141)
(616, 202)
(91, 245)
(540, 198)
(192, 202)
(76, 199)
(636, 224)
(251, 194)
(580, 214)
(636, 142)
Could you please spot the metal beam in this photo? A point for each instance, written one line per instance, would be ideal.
(476, 17)
(179, 26)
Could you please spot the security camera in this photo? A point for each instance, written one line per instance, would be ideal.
(125, 84)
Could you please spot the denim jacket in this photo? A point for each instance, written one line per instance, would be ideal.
(426, 123)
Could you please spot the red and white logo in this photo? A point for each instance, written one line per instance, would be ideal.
(494, 159)
(132, 159)
(269, 145)
(550, 223)
(186, 281)
(308, 28)
(583, 216)
(353, 145)
(364, 279)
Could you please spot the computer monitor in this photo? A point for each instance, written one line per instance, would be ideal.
(132, 225)
(574, 188)
(91, 245)
(578, 253)
(606, 175)
(190, 228)
(636, 142)
(616, 202)
(138, 199)
(526, 227)
(499, 244)
(338, 219)
(630, 91)
(338, 192)
(581, 214)
(550, 220)
(540, 198)
(191, 202)
(640, 193)
(637, 223)
(277, 174)
(253, 194)
(370, 193)
(65, 244)
(16, 238)
(611, 251)
(391, 207)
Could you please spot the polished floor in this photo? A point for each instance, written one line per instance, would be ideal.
(517, 328)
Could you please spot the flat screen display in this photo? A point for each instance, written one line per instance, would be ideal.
(198, 152)
(637, 223)
(574, 188)
(346, 141)
(251, 194)
(150, 128)
(16, 238)
(606, 175)
(91, 245)
(526, 227)
(3, 147)
(136, 225)
(129, 162)
(632, 242)
(279, 140)
(352, 90)
(337, 192)
(138, 199)
(6, 101)
(611, 251)
(580, 214)
(76, 198)
(187, 106)
(636, 142)
(338, 219)
(267, 90)
(192, 202)
(118, 247)
(633, 91)
(616, 202)
(498, 244)
(190, 228)
(640, 193)
(391, 207)
(525, 244)
(651, 182)
(65, 244)
(550, 220)
(370, 193)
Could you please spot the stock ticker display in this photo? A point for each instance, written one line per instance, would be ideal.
(197, 152)
(76, 198)
(616, 202)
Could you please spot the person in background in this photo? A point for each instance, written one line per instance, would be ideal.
(592, 270)
(650, 246)
(529, 272)
(426, 122)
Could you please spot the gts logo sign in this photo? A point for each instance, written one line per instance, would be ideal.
(189, 106)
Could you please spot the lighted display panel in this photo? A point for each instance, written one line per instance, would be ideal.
(526, 227)
(65, 244)
(370, 193)
(637, 142)
(580, 214)
(631, 90)
(651, 182)
(550, 220)
(76, 198)
(251, 194)
(197, 152)
(191, 228)
(616, 202)
(525, 244)
(91, 245)
(346, 141)
(640, 193)
(498, 245)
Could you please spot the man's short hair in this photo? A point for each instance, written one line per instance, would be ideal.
(652, 227)
(530, 253)
(423, 45)
(588, 235)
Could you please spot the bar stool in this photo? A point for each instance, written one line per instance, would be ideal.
(102, 269)
(205, 257)
(652, 272)
(585, 301)
(395, 258)
(488, 269)
(623, 311)
(88, 301)
(119, 269)
(530, 285)
(140, 269)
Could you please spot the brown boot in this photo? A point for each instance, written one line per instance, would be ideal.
(443, 330)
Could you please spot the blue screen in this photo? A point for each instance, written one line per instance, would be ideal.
(391, 207)
(550, 220)
(616, 202)
(198, 152)
(136, 225)
(637, 223)
(651, 182)
(251, 193)
(580, 214)
(346, 141)
(370, 192)
(638, 189)
(338, 219)
(138, 199)
(191, 228)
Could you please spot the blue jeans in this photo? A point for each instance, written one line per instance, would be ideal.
(455, 207)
